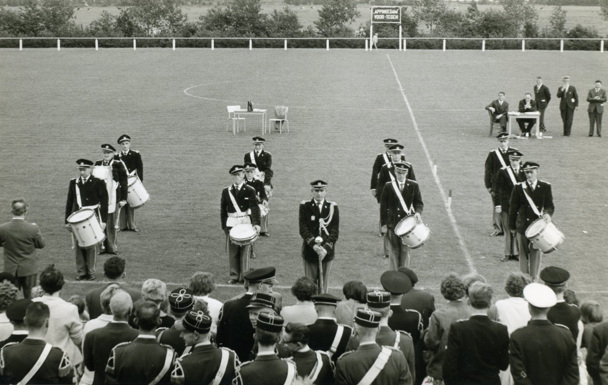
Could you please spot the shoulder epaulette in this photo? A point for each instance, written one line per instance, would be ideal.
(73, 179)
(245, 363)
(544, 181)
(462, 319)
(303, 202)
(345, 354)
(332, 203)
(135, 151)
(563, 326)
(404, 332)
(121, 344)
(168, 347)
(65, 367)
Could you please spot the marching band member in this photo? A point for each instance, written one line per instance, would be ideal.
(392, 212)
(86, 191)
(239, 205)
(135, 166)
(496, 160)
(319, 229)
(506, 179)
(116, 184)
(381, 160)
(260, 190)
(529, 201)
(263, 162)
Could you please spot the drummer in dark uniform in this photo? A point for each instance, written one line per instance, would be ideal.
(268, 368)
(496, 159)
(380, 365)
(262, 160)
(135, 167)
(260, 190)
(392, 212)
(522, 214)
(86, 191)
(239, 205)
(117, 194)
(205, 364)
(319, 221)
(325, 333)
(382, 159)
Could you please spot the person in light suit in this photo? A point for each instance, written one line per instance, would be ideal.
(567, 104)
(596, 98)
(542, 97)
(499, 109)
(20, 239)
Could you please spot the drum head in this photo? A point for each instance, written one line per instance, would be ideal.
(536, 227)
(242, 232)
(405, 225)
(80, 215)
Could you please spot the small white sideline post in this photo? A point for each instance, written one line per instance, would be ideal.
(250, 45)
(285, 45)
(134, 44)
(450, 198)
(444, 45)
(366, 45)
(174, 44)
(96, 45)
(601, 45)
(404, 45)
(483, 45)
(327, 45)
(212, 44)
(561, 45)
(20, 44)
(523, 45)
(58, 45)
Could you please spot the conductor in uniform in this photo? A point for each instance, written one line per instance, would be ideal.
(496, 159)
(319, 228)
(135, 167)
(239, 205)
(86, 191)
(379, 365)
(262, 160)
(116, 184)
(522, 214)
(392, 212)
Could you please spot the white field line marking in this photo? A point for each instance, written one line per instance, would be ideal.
(463, 245)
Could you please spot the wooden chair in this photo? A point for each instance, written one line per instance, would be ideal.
(492, 122)
(235, 120)
(281, 118)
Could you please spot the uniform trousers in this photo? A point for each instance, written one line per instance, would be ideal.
(311, 270)
(86, 257)
(26, 284)
(595, 119)
(529, 256)
(238, 259)
(510, 239)
(127, 218)
(541, 121)
(496, 220)
(567, 118)
(110, 242)
(263, 223)
(398, 253)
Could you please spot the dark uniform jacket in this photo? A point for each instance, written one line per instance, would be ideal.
(172, 337)
(16, 336)
(98, 345)
(503, 186)
(133, 162)
(20, 240)
(493, 165)
(385, 176)
(265, 370)
(352, 366)
(407, 320)
(234, 330)
(258, 185)
(596, 105)
(520, 211)
(421, 301)
(478, 348)
(543, 354)
(119, 175)
(17, 359)
(322, 334)
(381, 160)
(138, 362)
(391, 210)
(542, 96)
(92, 193)
(264, 163)
(306, 361)
(596, 350)
(310, 228)
(563, 313)
(201, 365)
(246, 198)
(569, 99)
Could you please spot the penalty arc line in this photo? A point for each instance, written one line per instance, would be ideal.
(444, 197)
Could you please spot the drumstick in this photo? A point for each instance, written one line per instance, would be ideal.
(321, 274)
(73, 241)
(116, 222)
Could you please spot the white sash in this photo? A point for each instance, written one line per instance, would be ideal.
(78, 199)
(397, 340)
(316, 370)
(336, 341)
(222, 369)
(37, 365)
(499, 155)
(530, 201)
(291, 373)
(512, 176)
(240, 217)
(407, 210)
(236, 206)
(386, 161)
(166, 366)
(377, 367)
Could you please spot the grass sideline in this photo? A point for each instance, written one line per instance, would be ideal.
(63, 105)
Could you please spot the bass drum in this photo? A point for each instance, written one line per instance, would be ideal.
(413, 232)
(86, 228)
(544, 235)
(243, 234)
(137, 195)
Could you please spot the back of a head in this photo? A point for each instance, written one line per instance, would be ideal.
(355, 290)
(480, 295)
(147, 316)
(304, 288)
(79, 302)
(266, 338)
(515, 283)
(471, 278)
(51, 280)
(154, 290)
(202, 283)
(120, 305)
(19, 207)
(298, 332)
(114, 267)
(452, 287)
(106, 295)
(36, 315)
(8, 294)
(591, 312)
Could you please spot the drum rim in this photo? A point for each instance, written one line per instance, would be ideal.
(92, 212)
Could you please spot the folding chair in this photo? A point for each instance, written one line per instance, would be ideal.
(492, 122)
(235, 120)
(280, 113)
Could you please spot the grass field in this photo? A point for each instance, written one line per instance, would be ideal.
(60, 106)
(586, 16)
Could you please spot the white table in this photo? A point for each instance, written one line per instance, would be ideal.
(524, 115)
(256, 111)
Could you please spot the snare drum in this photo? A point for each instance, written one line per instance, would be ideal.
(86, 227)
(544, 235)
(243, 235)
(413, 233)
(101, 172)
(137, 194)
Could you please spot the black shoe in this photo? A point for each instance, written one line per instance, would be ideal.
(103, 252)
(233, 281)
(590, 135)
(81, 277)
(515, 257)
(125, 229)
(112, 252)
(506, 258)
(91, 277)
(385, 257)
(253, 256)
(264, 234)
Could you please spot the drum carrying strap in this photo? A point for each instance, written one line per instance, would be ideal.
(78, 199)
(37, 365)
(314, 373)
(236, 206)
(222, 369)
(291, 373)
(407, 210)
(166, 366)
(530, 201)
(377, 367)
(500, 158)
(386, 161)
(397, 339)
(336, 341)
(511, 175)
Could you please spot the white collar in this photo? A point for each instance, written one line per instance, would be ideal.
(203, 343)
(266, 354)
(146, 337)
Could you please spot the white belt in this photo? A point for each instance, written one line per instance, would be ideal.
(239, 215)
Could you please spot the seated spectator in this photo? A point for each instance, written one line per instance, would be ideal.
(155, 290)
(526, 105)
(65, 327)
(499, 109)
(471, 278)
(591, 315)
(570, 297)
(513, 311)
(181, 301)
(202, 284)
(354, 292)
(18, 359)
(16, 314)
(114, 272)
(313, 366)
(82, 307)
(304, 309)
(8, 295)
(436, 338)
